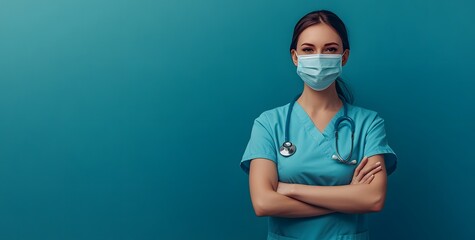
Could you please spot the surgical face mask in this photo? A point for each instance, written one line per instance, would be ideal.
(319, 71)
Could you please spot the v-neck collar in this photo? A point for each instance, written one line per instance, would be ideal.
(310, 126)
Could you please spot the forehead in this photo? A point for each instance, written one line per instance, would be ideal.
(318, 35)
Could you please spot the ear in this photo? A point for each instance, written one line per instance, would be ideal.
(293, 54)
(345, 57)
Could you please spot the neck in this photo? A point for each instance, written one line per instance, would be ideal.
(316, 101)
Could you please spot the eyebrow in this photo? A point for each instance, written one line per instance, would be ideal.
(326, 44)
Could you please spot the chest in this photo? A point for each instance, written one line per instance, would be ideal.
(312, 162)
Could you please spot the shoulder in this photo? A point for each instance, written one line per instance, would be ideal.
(361, 111)
(362, 115)
(273, 115)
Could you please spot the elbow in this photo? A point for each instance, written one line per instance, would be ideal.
(260, 212)
(261, 207)
(377, 203)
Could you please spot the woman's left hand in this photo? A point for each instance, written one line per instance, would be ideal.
(285, 188)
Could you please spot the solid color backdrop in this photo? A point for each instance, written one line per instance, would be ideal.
(128, 119)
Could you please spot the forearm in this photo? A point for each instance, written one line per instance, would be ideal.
(275, 204)
(357, 198)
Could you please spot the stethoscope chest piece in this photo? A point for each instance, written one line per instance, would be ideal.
(287, 149)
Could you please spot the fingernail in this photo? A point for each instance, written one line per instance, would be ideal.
(378, 163)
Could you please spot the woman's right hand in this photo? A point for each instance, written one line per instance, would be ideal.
(364, 175)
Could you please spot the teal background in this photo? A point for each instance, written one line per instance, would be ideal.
(127, 119)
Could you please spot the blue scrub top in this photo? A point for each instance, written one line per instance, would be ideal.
(312, 164)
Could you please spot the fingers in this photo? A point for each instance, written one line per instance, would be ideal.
(369, 179)
(364, 173)
(359, 167)
(371, 173)
(369, 169)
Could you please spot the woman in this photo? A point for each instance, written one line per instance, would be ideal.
(311, 182)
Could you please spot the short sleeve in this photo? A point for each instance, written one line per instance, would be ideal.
(377, 143)
(260, 145)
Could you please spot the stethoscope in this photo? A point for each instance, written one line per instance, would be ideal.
(288, 148)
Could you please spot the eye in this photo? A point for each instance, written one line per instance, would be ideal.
(331, 50)
(307, 50)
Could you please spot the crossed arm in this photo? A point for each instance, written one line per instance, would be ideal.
(366, 193)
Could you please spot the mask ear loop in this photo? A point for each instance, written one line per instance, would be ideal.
(296, 54)
(342, 56)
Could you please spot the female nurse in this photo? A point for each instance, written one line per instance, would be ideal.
(323, 186)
